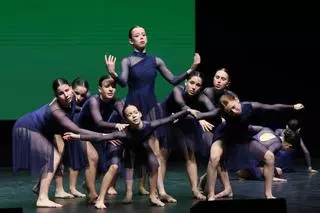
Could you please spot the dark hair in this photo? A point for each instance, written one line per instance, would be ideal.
(80, 82)
(131, 29)
(124, 109)
(109, 79)
(226, 71)
(195, 73)
(291, 137)
(293, 124)
(58, 82)
(226, 97)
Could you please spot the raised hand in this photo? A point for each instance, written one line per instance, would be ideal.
(110, 61)
(196, 62)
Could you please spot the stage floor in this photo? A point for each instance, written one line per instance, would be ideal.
(302, 193)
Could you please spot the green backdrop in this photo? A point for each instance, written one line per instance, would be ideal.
(41, 40)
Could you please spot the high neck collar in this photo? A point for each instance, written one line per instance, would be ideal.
(139, 54)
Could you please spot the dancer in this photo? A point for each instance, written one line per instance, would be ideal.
(33, 138)
(135, 137)
(139, 72)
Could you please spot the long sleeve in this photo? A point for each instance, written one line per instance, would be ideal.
(271, 107)
(97, 117)
(103, 137)
(165, 72)
(212, 110)
(68, 125)
(123, 79)
(306, 152)
(159, 122)
(178, 98)
(118, 106)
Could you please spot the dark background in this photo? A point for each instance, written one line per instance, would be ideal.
(272, 53)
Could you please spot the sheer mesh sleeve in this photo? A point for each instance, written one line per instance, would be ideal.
(118, 106)
(97, 117)
(208, 92)
(270, 107)
(103, 136)
(178, 98)
(68, 125)
(123, 79)
(165, 72)
(306, 152)
(212, 110)
(159, 122)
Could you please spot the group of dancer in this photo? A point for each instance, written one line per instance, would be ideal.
(101, 134)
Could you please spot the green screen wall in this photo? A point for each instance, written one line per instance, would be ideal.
(41, 40)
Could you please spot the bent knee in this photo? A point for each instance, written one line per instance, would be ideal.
(269, 157)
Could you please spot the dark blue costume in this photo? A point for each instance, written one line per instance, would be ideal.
(33, 136)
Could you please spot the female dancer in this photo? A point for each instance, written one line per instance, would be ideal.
(33, 138)
(139, 72)
(189, 142)
(238, 117)
(93, 116)
(135, 137)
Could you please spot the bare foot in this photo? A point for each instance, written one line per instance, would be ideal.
(225, 193)
(76, 193)
(128, 198)
(47, 203)
(143, 191)
(112, 191)
(63, 195)
(167, 198)
(197, 194)
(281, 180)
(269, 196)
(155, 201)
(211, 197)
(100, 204)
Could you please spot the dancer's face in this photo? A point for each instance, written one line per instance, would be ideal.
(233, 107)
(80, 93)
(220, 80)
(138, 38)
(107, 89)
(133, 115)
(64, 94)
(193, 85)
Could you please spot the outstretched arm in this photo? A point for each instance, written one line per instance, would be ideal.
(307, 156)
(167, 74)
(68, 125)
(275, 107)
(97, 117)
(157, 123)
(212, 110)
(111, 62)
(100, 137)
